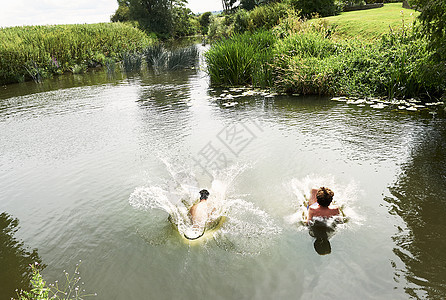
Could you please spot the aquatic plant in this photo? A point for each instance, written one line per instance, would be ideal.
(182, 58)
(158, 58)
(79, 68)
(131, 62)
(58, 48)
(241, 60)
(154, 55)
(34, 71)
(41, 290)
(110, 65)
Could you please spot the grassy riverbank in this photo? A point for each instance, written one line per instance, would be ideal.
(310, 58)
(371, 24)
(41, 51)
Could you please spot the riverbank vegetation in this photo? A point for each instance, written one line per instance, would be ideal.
(272, 44)
(41, 51)
(319, 57)
(70, 288)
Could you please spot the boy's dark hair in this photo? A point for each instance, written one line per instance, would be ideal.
(324, 196)
(204, 194)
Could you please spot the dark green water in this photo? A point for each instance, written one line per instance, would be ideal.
(82, 156)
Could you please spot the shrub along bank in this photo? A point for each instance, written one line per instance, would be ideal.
(303, 57)
(41, 51)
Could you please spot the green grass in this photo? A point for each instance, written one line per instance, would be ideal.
(243, 59)
(305, 57)
(371, 24)
(41, 51)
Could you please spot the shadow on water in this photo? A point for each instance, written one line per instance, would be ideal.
(418, 198)
(322, 234)
(15, 259)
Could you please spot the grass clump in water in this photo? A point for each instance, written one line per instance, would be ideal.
(242, 59)
(131, 62)
(159, 59)
(182, 58)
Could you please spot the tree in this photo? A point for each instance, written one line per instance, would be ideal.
(153, 15)
(166, 18)
(228, 5)
(182, 25)
(122, 14)
(308, 8)
(248, 4)
(15, 258)
(205, 20)
(251, 4)
(433, 24)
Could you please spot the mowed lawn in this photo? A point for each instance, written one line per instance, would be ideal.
(370, 24)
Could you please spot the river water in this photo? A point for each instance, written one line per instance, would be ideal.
(92, 165)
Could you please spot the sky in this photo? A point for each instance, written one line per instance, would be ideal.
(44, 12)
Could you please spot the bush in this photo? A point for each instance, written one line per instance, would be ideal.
(303, 57)
(396, 66)
(241, 21)
(243, 59)
(217, 28)
(267, 16)
(262, 17)
(308, 44)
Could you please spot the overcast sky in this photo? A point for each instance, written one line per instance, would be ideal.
(42, 12)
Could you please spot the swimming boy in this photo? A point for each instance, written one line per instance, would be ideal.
(320, 204)
(198, 213)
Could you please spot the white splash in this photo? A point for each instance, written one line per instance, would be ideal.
(246, 228)
(345, 197)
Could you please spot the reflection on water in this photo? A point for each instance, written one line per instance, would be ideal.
(322, 232)
(15, 259)
(72, 154)
(418, 197)
(164, 102)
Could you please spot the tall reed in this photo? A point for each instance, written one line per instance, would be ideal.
(241, 60)
(159, 59)
(58, 48)
(183, 58)
(131, 62)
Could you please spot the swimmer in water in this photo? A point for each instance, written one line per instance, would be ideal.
(198, 213)
(320, 204)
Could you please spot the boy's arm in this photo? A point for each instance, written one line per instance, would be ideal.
(310, 215)
(313, 198)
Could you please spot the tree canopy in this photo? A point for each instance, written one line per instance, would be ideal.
(308, 8)
(166, 18)
(433, 24)
(205, 20)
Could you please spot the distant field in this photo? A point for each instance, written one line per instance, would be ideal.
(372, 23)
